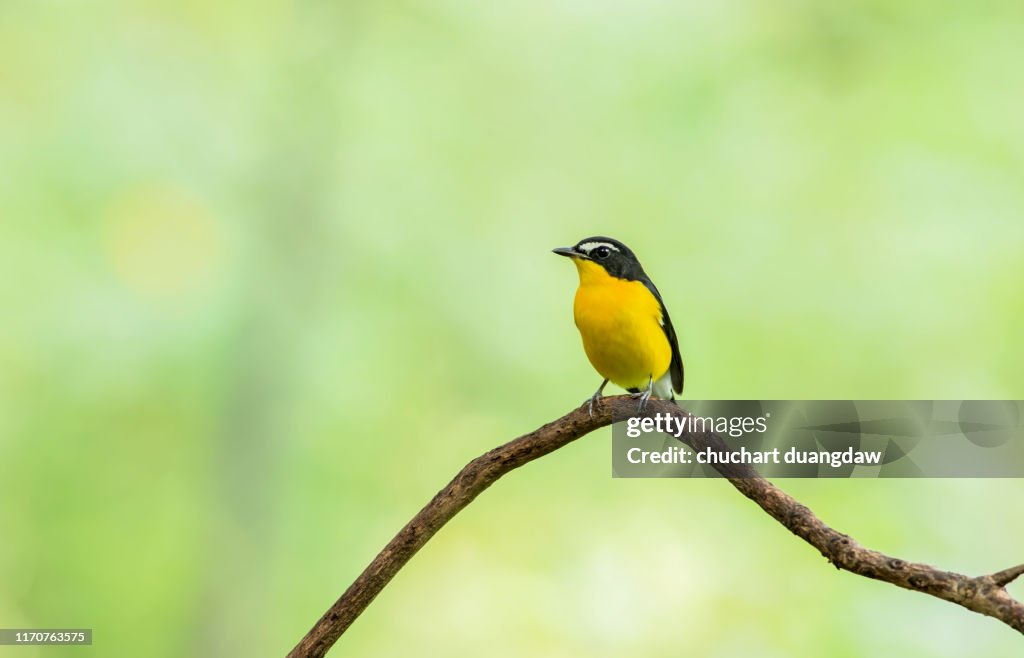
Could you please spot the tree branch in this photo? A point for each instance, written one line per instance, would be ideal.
(983, 594)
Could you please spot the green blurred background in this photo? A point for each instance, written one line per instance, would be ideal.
(272, 272)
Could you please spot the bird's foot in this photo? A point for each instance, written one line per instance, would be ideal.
(595, 398)
(643, 396)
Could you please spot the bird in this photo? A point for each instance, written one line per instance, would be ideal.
(627, 333)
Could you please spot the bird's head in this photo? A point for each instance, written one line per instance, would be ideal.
(609, 256)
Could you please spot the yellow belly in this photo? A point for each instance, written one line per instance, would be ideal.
(619, 322)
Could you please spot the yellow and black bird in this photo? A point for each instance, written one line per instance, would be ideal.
(626, 331)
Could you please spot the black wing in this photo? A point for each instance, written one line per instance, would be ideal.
(676, 367)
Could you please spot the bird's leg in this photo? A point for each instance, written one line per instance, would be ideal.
(644, 395)
(596, 397)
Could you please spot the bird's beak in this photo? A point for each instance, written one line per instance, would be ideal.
(566, 251)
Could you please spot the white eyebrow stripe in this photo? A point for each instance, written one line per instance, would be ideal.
(588, 247)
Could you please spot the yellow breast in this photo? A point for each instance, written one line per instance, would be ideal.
(620, 323)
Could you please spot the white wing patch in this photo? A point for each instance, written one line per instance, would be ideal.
(588, 247)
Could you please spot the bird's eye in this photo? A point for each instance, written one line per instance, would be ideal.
(600, 253)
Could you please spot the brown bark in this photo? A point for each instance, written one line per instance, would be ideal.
(982, 594)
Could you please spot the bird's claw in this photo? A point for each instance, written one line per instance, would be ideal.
(596, 397)
(644, 396)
